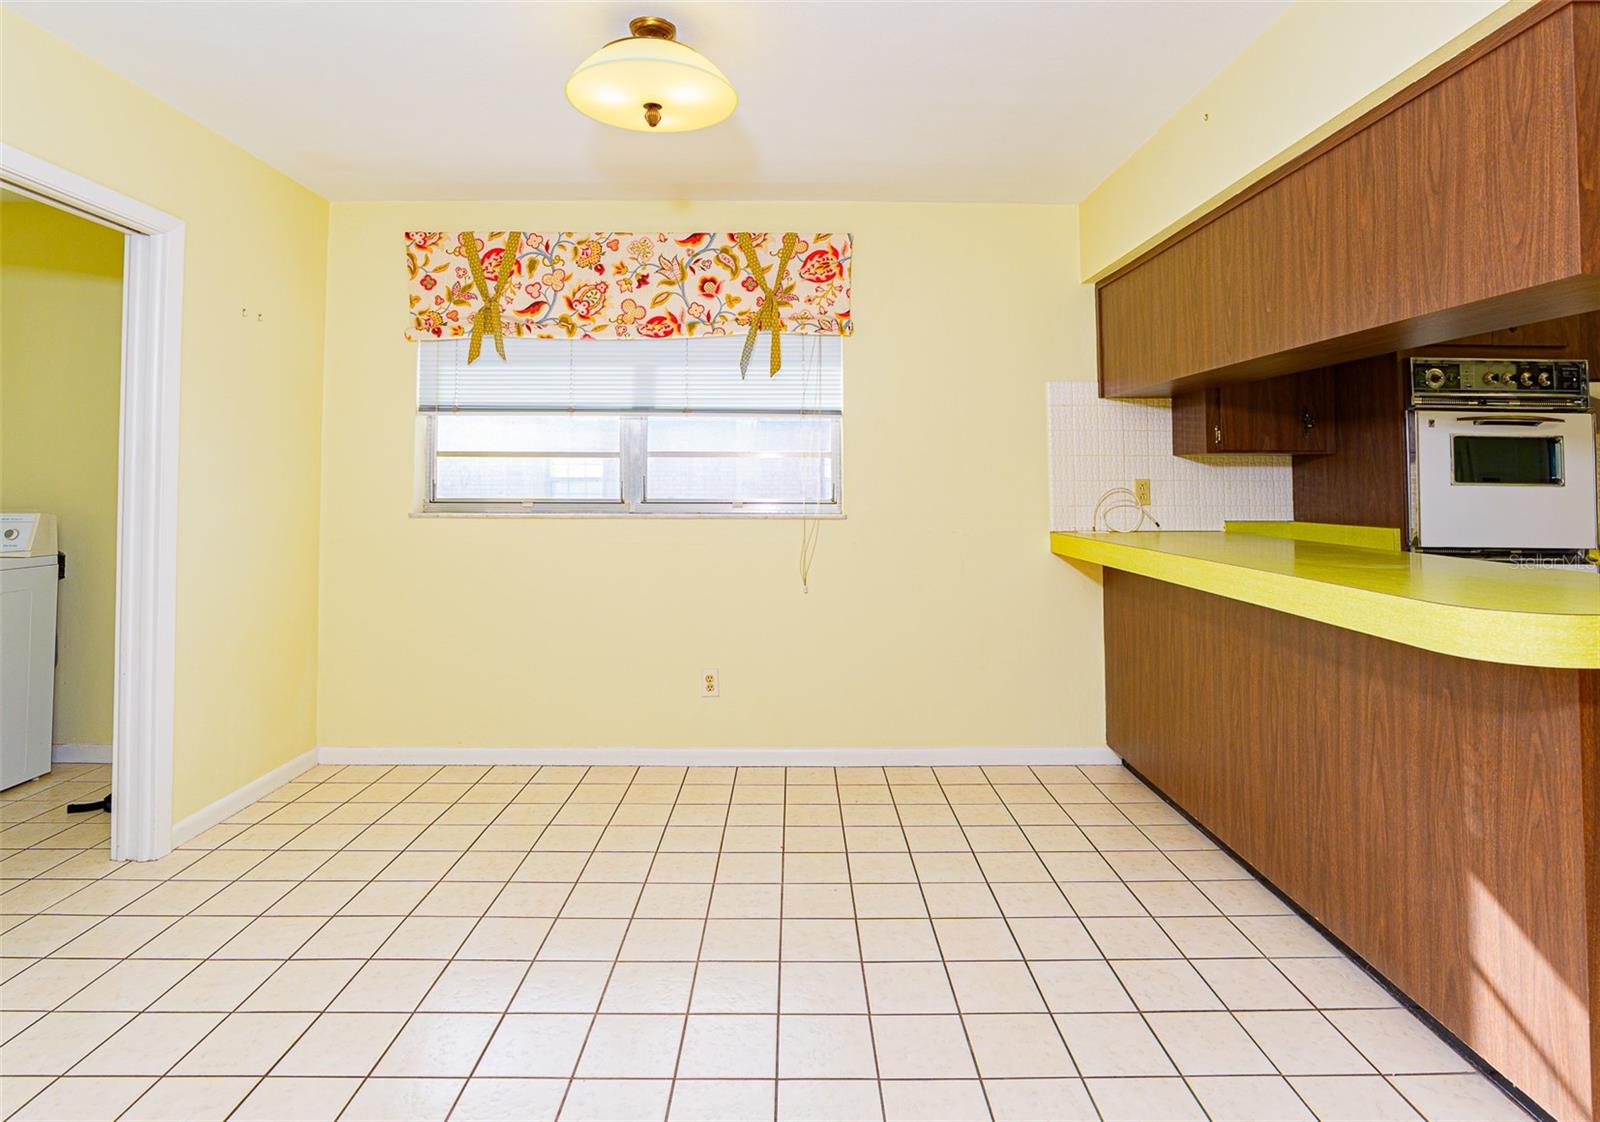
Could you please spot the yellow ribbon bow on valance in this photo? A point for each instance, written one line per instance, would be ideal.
(766, 316)
(486, 320)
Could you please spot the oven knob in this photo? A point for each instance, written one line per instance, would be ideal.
(1491, 378)
(1544, 378)
(1527, 377)
(1434, 377)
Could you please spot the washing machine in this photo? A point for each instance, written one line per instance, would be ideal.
(29, 569)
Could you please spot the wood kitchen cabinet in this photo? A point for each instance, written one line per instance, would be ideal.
(1284, 416)
(1465, 203)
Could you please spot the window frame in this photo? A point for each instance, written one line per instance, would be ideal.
(633, 467)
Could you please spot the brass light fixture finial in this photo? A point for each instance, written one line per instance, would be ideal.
(652, 113)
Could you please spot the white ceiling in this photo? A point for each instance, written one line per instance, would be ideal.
(963, 102)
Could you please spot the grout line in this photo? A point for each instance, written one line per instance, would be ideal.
(577, 1060)
(861, 950)
(783, 881)
(944, 962)
(1133, 1001)
(1006, 919)
(512, 997)
(705, 923)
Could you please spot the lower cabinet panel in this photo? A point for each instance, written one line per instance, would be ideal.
(1436, 814)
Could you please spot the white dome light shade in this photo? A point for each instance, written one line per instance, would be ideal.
(651, 83)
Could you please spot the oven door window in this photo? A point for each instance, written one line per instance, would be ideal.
(1524, 460)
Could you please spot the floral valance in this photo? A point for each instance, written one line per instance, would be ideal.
(624, 286)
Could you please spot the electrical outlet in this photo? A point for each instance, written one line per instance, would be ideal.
(1141, 492)
(708, 684)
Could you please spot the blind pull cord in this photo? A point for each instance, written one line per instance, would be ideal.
(810, 527)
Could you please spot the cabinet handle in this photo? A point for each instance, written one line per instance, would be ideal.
(1216, 434)
(1307, 421)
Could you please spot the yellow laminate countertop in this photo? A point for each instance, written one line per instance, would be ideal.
(1455, 606)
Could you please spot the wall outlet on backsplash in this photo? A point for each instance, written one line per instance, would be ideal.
(1099, 444)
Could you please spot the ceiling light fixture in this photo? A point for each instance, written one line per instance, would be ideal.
(650, 82)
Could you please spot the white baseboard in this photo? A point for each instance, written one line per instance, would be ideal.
(80, 753)
(720, 757)
(207, 817)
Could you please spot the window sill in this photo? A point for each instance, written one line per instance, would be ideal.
(638, 516)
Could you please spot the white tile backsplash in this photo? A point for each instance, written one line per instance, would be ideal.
(1097, 444)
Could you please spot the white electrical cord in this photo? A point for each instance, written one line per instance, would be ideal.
(1120, 498)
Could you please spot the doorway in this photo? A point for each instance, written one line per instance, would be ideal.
(145, 503)
(60, 389)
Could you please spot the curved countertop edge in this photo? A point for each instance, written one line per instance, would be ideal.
(1560, 640)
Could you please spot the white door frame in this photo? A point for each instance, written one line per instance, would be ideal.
(147, 497)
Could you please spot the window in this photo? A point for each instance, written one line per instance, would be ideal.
(632, 427)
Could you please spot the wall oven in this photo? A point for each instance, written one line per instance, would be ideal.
(1502, 456)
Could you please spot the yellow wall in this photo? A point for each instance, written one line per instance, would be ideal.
(60, 357)
(250, 411)
(937, 615)
(1316, 67)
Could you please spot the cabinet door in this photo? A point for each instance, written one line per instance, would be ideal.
(1281, 416)
(1309, 418)
(1195, 424)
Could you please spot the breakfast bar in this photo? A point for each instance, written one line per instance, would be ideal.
(1406, 746)
(1515, 614)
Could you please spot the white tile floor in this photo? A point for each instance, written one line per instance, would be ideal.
(648, 943)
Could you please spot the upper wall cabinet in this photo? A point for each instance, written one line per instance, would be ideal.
(1287, 416)
(1466, 203)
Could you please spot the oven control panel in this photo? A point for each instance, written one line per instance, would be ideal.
(1500, 381)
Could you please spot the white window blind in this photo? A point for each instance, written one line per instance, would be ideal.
(633, 427)
(632, 375)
